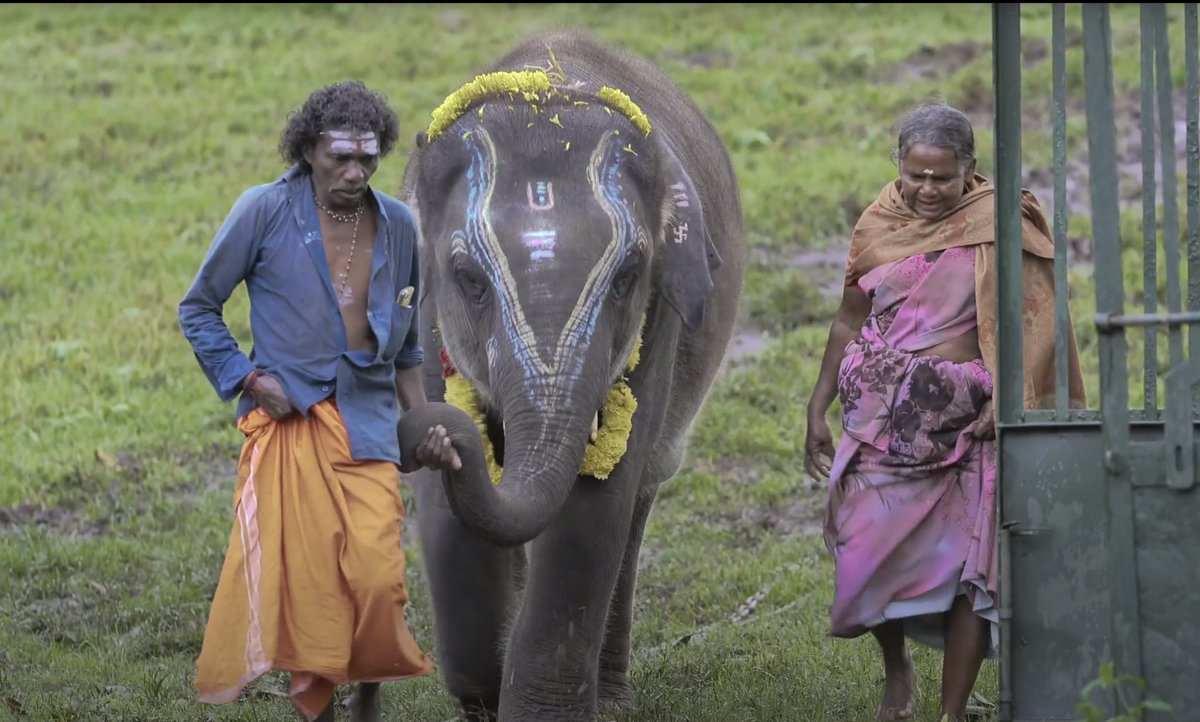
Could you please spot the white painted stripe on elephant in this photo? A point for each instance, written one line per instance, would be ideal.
(526, 341)
(593, 290)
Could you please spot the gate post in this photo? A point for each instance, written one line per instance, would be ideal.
(1114, 399)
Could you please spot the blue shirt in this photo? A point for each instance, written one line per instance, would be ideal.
(272, 241)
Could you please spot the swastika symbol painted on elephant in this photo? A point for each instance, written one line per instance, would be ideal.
(681, 232)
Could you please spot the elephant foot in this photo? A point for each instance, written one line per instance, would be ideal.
(615, 694)
(478, 709)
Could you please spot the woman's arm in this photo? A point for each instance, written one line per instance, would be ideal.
(846, 325)
(845, 328)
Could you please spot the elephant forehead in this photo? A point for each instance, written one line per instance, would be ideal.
(540, 219)
(576, 211)
(551, 260)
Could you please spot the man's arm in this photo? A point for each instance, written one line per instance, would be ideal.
(434, 451)
(228, 261)
(410, 388)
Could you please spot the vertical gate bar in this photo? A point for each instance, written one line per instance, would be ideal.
(1006, 56)
(1149, 217)
(1170, 188)
(1191, 32)
(1009, 387)
(1004, 704)
(1114, 401)
(1180, 461)
(1061, 312)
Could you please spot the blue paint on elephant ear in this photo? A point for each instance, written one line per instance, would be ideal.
(689, 256)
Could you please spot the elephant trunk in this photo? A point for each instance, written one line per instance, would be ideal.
(540, 468)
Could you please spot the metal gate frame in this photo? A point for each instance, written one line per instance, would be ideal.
(1099, 516)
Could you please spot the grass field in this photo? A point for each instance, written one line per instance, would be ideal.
(131, 130)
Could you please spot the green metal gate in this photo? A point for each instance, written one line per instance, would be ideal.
(1099, 510)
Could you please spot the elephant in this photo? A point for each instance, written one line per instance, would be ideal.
(582, 250)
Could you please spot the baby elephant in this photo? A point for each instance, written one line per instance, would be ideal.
(582, 261)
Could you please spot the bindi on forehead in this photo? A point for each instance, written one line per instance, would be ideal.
(349, 142)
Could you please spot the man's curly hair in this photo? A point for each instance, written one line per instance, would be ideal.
(347, 105)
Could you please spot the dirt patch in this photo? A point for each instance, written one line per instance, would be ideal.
(113, 490)
(801, 516)
(930, 63)
(59, 520)
(826, 267)
(747, 343)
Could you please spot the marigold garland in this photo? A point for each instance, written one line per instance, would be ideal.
(535, 86)
(622, 102)
(600, 457)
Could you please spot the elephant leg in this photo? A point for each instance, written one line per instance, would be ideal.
(615, 691)
(472, 585)
(551, 669)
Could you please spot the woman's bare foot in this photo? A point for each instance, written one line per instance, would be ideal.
(899, 692)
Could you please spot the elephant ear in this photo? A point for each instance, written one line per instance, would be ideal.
(689, 256)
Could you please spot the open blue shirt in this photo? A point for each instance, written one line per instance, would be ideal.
(272, 241)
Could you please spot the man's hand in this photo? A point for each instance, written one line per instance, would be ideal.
(818, 448)
(268, 394)
(436, 452)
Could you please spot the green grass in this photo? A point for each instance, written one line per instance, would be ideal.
(131, 129)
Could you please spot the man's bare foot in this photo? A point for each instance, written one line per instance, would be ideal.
(899, 693)
(365, 704)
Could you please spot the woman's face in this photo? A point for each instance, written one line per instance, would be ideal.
(932, 180)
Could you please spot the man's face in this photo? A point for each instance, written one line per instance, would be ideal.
(932, 180)
(343, 161)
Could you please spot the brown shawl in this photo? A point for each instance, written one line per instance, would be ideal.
(888, 230)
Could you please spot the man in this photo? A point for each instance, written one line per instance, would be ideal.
(313, 579)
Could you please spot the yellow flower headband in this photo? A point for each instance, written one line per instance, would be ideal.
(536, 87)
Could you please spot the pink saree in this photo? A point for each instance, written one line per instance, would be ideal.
(911, 515)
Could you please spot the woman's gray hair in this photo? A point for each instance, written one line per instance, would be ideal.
(939, 125)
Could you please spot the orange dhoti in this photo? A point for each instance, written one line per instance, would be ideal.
(313, 580)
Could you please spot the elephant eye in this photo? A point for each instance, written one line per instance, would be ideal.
(627, 275)
(471, 280)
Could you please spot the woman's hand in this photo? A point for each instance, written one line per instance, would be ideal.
(818, 448)
(985, 428)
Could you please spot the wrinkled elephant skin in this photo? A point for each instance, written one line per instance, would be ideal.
(566, 231)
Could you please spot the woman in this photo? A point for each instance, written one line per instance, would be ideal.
(911, 515)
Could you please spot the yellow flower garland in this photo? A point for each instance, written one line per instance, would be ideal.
(535, 86)
(601, 456)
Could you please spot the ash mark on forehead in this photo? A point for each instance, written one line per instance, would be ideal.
(350, 142)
